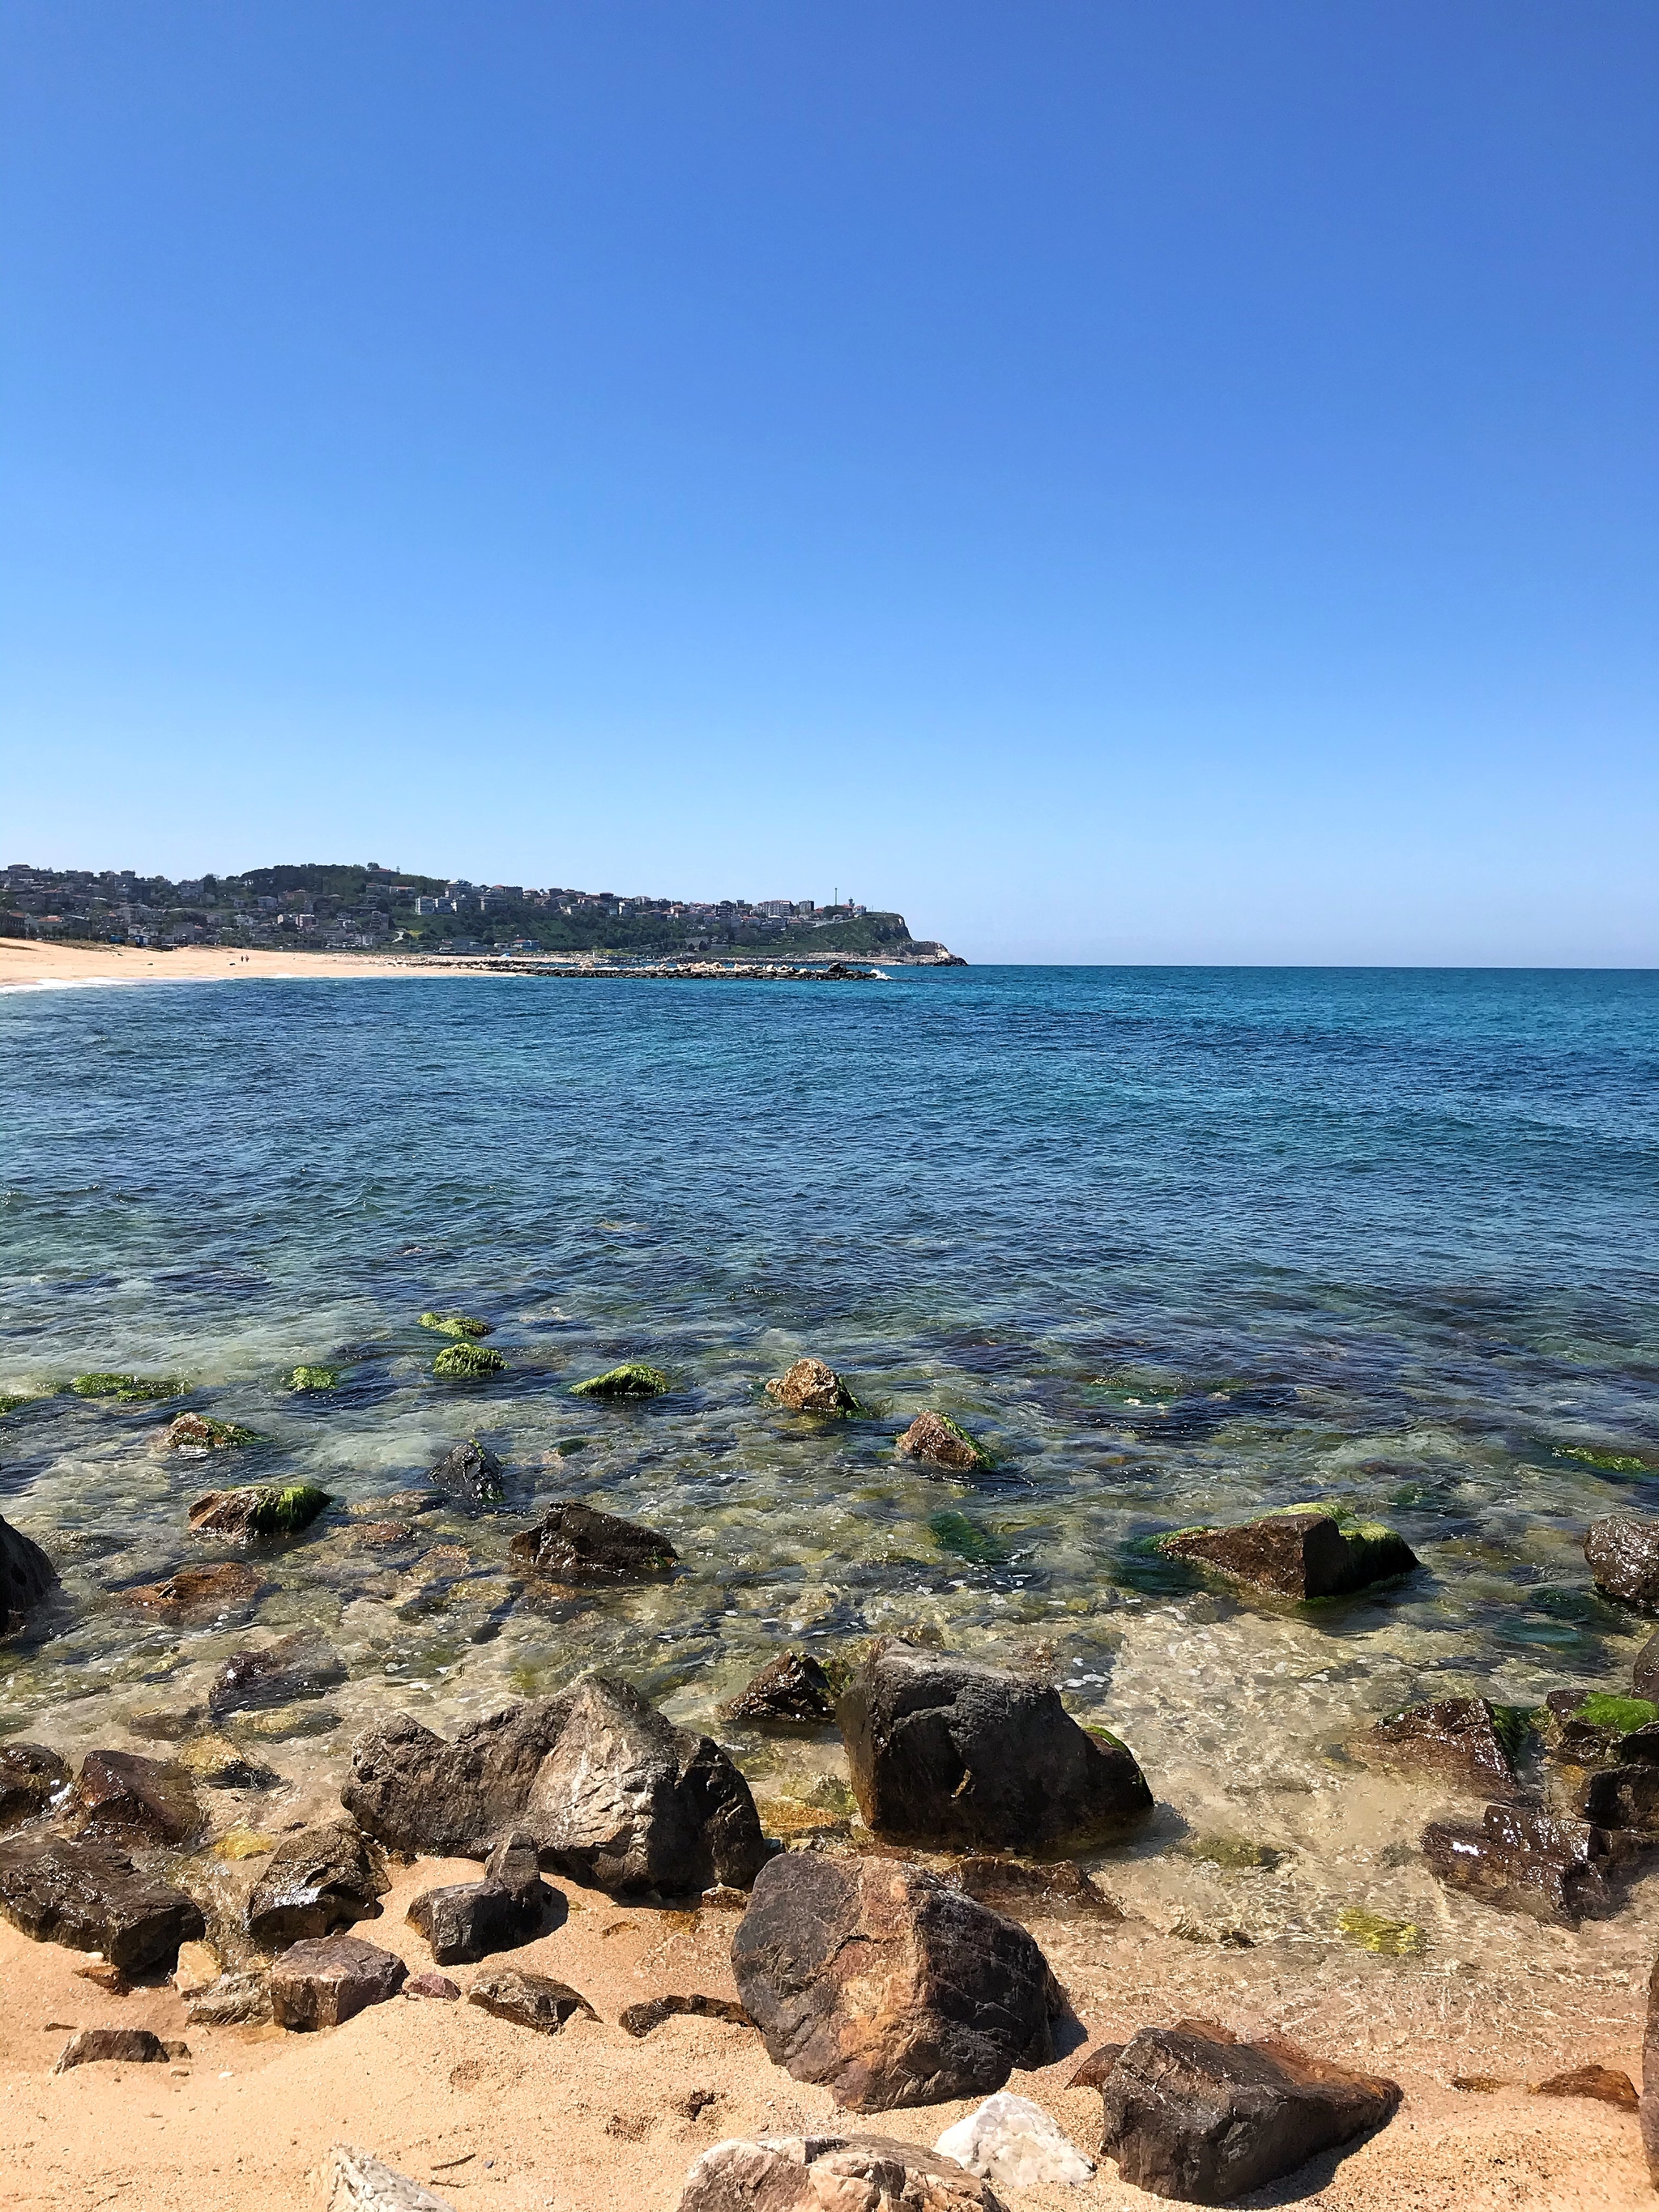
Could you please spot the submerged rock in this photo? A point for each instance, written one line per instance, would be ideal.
(529, 2000)
(354, 2182)
(873, 1978)
(936, 1438)
(948, 1751)
(809, 1387)
(1461, 1740)
(458, 1324)
(573, 1543)
(789, 1690)
(830, 2172)
(1193, 2113)
(119, 1797)
(302, 1665)
(31, 1777)
(89, 1897)
(262, 1509)
(1052, 1889)
(315, 1378)
(128, 1389)
(610, 1791)
(321, 1983)
(27, 1576)
(1524, 1858)
(1014, 2142)
(193, 1435)
(633, 1379)
(468, 1363)
(1604, 2084)
(1622, 1552)
(1625, 1797)
(466, 1921)
(471, 1473)
(196, 1590)
(1301, 1553)
(323, 1879)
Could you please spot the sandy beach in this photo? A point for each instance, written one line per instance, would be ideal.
(489, 2113)
(28, 962)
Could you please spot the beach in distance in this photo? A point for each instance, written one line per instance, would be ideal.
(1165, 1250)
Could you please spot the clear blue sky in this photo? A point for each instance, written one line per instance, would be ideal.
(1128, 482)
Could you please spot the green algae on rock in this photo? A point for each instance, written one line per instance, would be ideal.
(955, 1533)
(129, 1389)
(261, 1510)
(1610, 1462)
(455, 1324)
(315, 1378)
(633, 1379)
(467, 1363)
(1390, 1939)
(11, 1399)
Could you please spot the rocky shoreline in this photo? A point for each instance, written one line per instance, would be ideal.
(888, 1957)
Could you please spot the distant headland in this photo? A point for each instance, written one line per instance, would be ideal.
(352, 907)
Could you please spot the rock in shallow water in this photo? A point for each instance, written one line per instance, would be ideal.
(296, 1667)
(572, 1543)
(831, 2172)
(789, 1690)
(1622, 1552)
(323, 1879)
(610, 1791)
(941, 1442)
(811, 1387)
(320, 1984)
(1302, 1553)
(121, 1795)
(1015, 2143)
(948, 1751)
(27, 1576)
(262, 1509)
(90, 1897)
(1193, 2113)
(1525, 1858)
(871, 1977)
(471, 1473)
(30, 1777)
(196, 1590)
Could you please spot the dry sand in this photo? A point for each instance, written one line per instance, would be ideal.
(25, 962)
(496, 2117)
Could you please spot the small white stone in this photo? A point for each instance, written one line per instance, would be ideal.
(1013, 2143)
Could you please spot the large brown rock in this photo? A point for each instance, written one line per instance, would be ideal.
(573, 1543)
(1622, 1552)
(30, 1777)
(938, 1440)
(831, 2173)
(1526, 1858)
(321, 1880)
(322, 1983)
(195, 1590)
(90, 1897)
(27, 1576)
(119, 1795)
(612, 1793)
(466, 1921)
(1458, 1740)
(873, 1979)
(811, 1387)
(1193, 2113)
(1303, 1554)
(946, 1751)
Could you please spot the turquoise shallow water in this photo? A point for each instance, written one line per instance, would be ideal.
(1177, 1244)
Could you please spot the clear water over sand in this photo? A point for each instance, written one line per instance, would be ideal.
(1178, 1245)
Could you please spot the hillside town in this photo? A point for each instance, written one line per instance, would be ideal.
(369, 907)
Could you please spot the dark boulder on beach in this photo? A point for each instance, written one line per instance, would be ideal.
(321, 1983)
(1622, 1552)
(471, 1473)
(465, 1921)
(874, 1980)
(1526, 1858)
(573, 1543)
(121, 1796)
(27, 1576)
(612, 1793)
(1626, 1797)
(947, 1751)
(326, 1878)
(1047, 1889)
(811, 1387)
(1193, 2113)
(296, 1667)
(1465, 1741)
(940, 1442)
(31, 1777)
(90, 1897)
(791, 1691)
(1305, 1552)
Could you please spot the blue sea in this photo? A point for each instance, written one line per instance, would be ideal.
(1175, 1245)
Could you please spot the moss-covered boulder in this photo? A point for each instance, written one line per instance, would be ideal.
(940, 1442)
(265, 1509)
(315, 1378)
(1300, 1552)
(129, 1389)
(633, 1379)
(11, 1399)
(465, 1362)
(455, 1324)
(193, 1435)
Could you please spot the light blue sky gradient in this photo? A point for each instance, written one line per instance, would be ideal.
(1117, 482)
